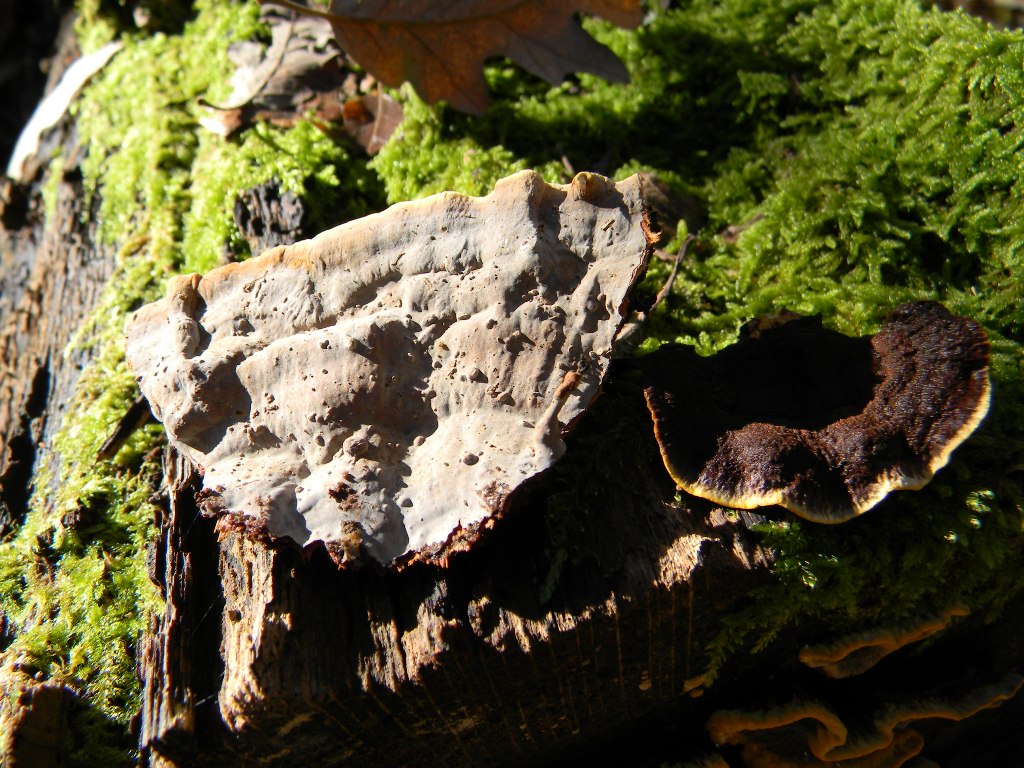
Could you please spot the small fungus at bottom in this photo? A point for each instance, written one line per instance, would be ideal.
(859, 652)
(820, 423)
(812, 735)
(382, 388)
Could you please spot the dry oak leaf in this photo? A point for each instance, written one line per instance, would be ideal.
(440, 48)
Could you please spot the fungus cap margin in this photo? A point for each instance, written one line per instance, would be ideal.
(903, 400)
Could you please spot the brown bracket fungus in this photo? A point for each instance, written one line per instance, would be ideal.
(383, 387)
(812, 735)
(822, 424)
(859, 652)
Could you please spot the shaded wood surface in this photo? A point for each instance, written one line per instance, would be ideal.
(481, 663)
(52, 273)
(466, 664)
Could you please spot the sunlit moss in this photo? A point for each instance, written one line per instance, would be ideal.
(428, 156)
(866, 153)
(73, 581)
(303, 160)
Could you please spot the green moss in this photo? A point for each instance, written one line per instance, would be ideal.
(93, 27)
(896, 176)
(304, 161)
(73, 579)
(429, 154)
(869, 151)
(50, 186)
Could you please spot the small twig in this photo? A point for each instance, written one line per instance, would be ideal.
(374, 138)
(137, 415)
(732, 233)
(667, 287)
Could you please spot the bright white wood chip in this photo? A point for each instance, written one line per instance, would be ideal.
(52, 108)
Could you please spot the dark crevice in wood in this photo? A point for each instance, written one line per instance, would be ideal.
(16, 480)
(14, 205)
(208, 608)
(180, 701)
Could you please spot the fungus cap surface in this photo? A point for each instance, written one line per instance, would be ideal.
(383, 387)
(822, 424)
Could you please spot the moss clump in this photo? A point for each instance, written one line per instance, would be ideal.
(896, 177)
(73, 580)
(430, 154)
(335, 186)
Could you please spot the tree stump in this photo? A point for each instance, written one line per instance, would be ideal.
(479, 660)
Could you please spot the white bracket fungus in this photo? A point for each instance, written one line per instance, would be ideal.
(383, 387)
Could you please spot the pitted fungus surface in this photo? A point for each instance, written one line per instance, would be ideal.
(383, 387)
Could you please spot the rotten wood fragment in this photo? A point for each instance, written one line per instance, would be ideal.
(267, 216)
(137, 416)
(33, 721)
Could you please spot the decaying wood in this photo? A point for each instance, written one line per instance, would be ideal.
(52, 273)
(176, 658)
(483, 662)
(51, 276)
(33, 721)
(469, 663)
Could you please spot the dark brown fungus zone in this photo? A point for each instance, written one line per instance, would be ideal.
(820, 423)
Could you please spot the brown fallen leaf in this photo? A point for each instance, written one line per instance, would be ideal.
(440, 48)
(303, 73)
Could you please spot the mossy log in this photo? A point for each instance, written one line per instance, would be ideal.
(603, 617)
(474, 664)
